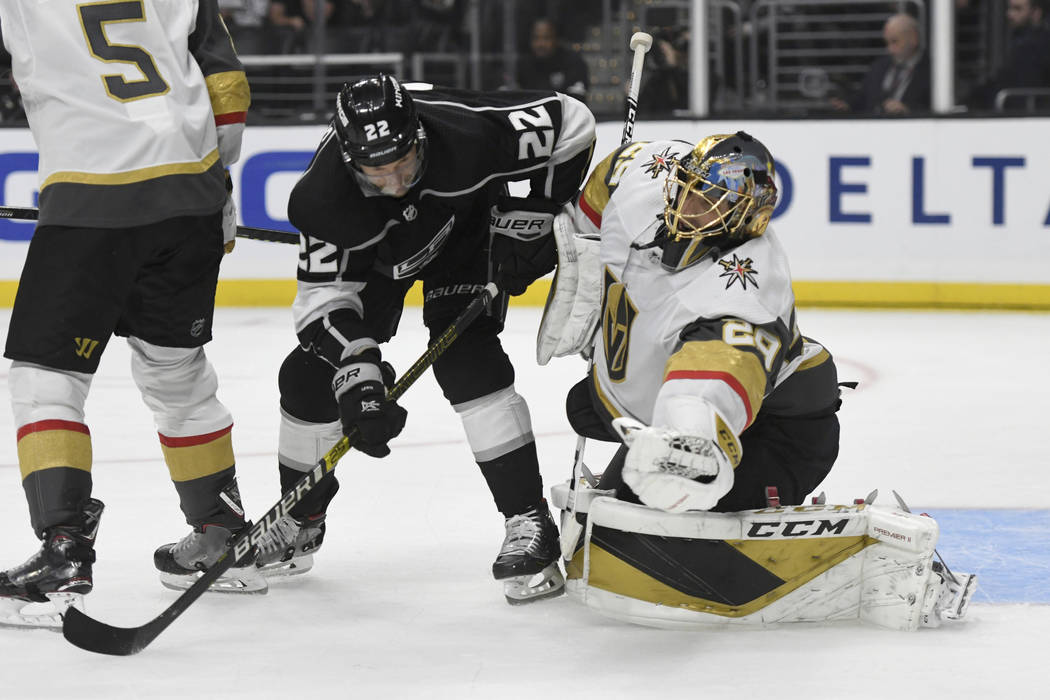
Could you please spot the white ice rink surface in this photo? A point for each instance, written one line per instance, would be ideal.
(952, 413)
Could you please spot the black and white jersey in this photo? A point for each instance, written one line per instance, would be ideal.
(476, 144)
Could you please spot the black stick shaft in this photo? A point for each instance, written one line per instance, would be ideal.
(256, 234)
(93, 635)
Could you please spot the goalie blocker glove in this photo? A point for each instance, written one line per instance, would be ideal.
(361, 394)
(522, 247)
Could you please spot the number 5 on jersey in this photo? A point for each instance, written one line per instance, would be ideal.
(93, 18)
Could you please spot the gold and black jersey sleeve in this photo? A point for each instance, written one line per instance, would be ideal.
(212, 48)
(604, 179)
(811, 390)
(746, 356)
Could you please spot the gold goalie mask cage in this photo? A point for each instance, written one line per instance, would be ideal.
(718, 196)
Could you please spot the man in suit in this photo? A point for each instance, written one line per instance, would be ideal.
(899, 82)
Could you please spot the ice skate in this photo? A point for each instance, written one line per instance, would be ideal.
(528, 561)
(181, 563)
(287, 549)
(37, 593)
(948, 600)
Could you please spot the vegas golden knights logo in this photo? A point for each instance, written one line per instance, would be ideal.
(85, 346)
(618, 315)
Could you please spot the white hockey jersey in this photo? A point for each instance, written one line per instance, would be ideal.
(123, 98)
(722, 330)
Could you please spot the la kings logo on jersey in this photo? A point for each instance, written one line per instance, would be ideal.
(416, 263)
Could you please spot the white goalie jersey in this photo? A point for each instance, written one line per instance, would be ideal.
(722, 330)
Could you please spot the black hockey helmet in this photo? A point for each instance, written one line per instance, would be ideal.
(376, 123)
(721, 194)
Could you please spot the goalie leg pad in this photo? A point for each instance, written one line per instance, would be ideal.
(812, 563)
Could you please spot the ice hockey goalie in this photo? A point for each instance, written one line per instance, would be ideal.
(672, 282)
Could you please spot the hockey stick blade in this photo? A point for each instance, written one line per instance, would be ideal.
(90, 634)
(255, 234)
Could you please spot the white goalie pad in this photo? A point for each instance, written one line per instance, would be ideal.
(816, 563)
(573, 306)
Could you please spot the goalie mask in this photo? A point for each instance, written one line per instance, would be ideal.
(718, 196)
(382, 141)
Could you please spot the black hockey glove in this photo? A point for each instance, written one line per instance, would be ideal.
(360, 391)
(522, 248)
(520, 263)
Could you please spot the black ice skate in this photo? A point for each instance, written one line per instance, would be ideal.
(181, 563)
(37, 593)
(287, 549)
(528, 561)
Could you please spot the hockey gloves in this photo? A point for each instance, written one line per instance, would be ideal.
(672, 471)
(361, 395)
(522, 247)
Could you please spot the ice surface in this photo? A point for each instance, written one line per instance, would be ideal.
(951, 412)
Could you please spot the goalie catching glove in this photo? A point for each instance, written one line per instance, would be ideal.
(672, 471)
(360, 391)
(522, 249)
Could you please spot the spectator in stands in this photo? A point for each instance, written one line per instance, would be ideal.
(362, 24)
(292, 21)
(247, 22)
(437, 25)
(897, 83)
(11, 111)
(575, 17)
(551, 66)
(1028, 60)
(665, 83)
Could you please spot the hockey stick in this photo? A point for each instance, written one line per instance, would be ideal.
(256, 234)
(92, 635)
(640, 44)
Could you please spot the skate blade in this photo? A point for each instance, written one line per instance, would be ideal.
(521, 590)
(22, 614)
(570, 537)
(286, 569)
(961, 594)
(244, 580)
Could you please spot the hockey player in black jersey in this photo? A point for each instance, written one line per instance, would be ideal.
(410, 183)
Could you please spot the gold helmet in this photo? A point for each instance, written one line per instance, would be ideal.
(718, 196)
